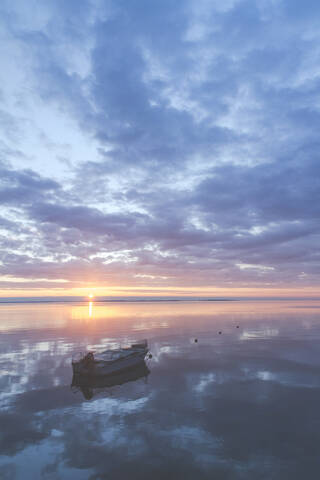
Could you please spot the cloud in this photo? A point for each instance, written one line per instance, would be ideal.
(202, 122)
(23, 186)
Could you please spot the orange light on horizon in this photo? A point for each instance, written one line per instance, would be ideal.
(90, 295)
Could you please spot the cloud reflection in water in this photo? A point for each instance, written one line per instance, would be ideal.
(231, 406)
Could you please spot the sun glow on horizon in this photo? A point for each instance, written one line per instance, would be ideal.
(178, 290)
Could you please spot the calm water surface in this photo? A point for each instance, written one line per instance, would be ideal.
(243, 404)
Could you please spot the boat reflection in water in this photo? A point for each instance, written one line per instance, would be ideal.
(91, 385)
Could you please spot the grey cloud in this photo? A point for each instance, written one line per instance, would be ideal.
(206, 123)
(23, 186)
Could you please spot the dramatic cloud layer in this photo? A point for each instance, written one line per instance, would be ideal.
(159, 143)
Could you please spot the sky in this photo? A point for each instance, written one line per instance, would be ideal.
(159, 146)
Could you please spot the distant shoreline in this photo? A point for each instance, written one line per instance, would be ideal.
(39, 300)
(5, 300)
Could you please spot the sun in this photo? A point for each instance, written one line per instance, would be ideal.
(90, 295)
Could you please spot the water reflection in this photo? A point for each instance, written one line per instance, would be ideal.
(92, 385)
(243, 404)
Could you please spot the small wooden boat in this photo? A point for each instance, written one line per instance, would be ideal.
(110, 362)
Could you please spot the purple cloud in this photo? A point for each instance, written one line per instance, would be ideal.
(198, 162)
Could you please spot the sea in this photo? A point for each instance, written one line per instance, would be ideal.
(230, 390)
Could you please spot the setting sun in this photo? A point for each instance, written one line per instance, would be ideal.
(159, 239)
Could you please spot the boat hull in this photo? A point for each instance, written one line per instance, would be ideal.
(117, 378)
(101, 368)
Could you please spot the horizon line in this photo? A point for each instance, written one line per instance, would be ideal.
(146, 298)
